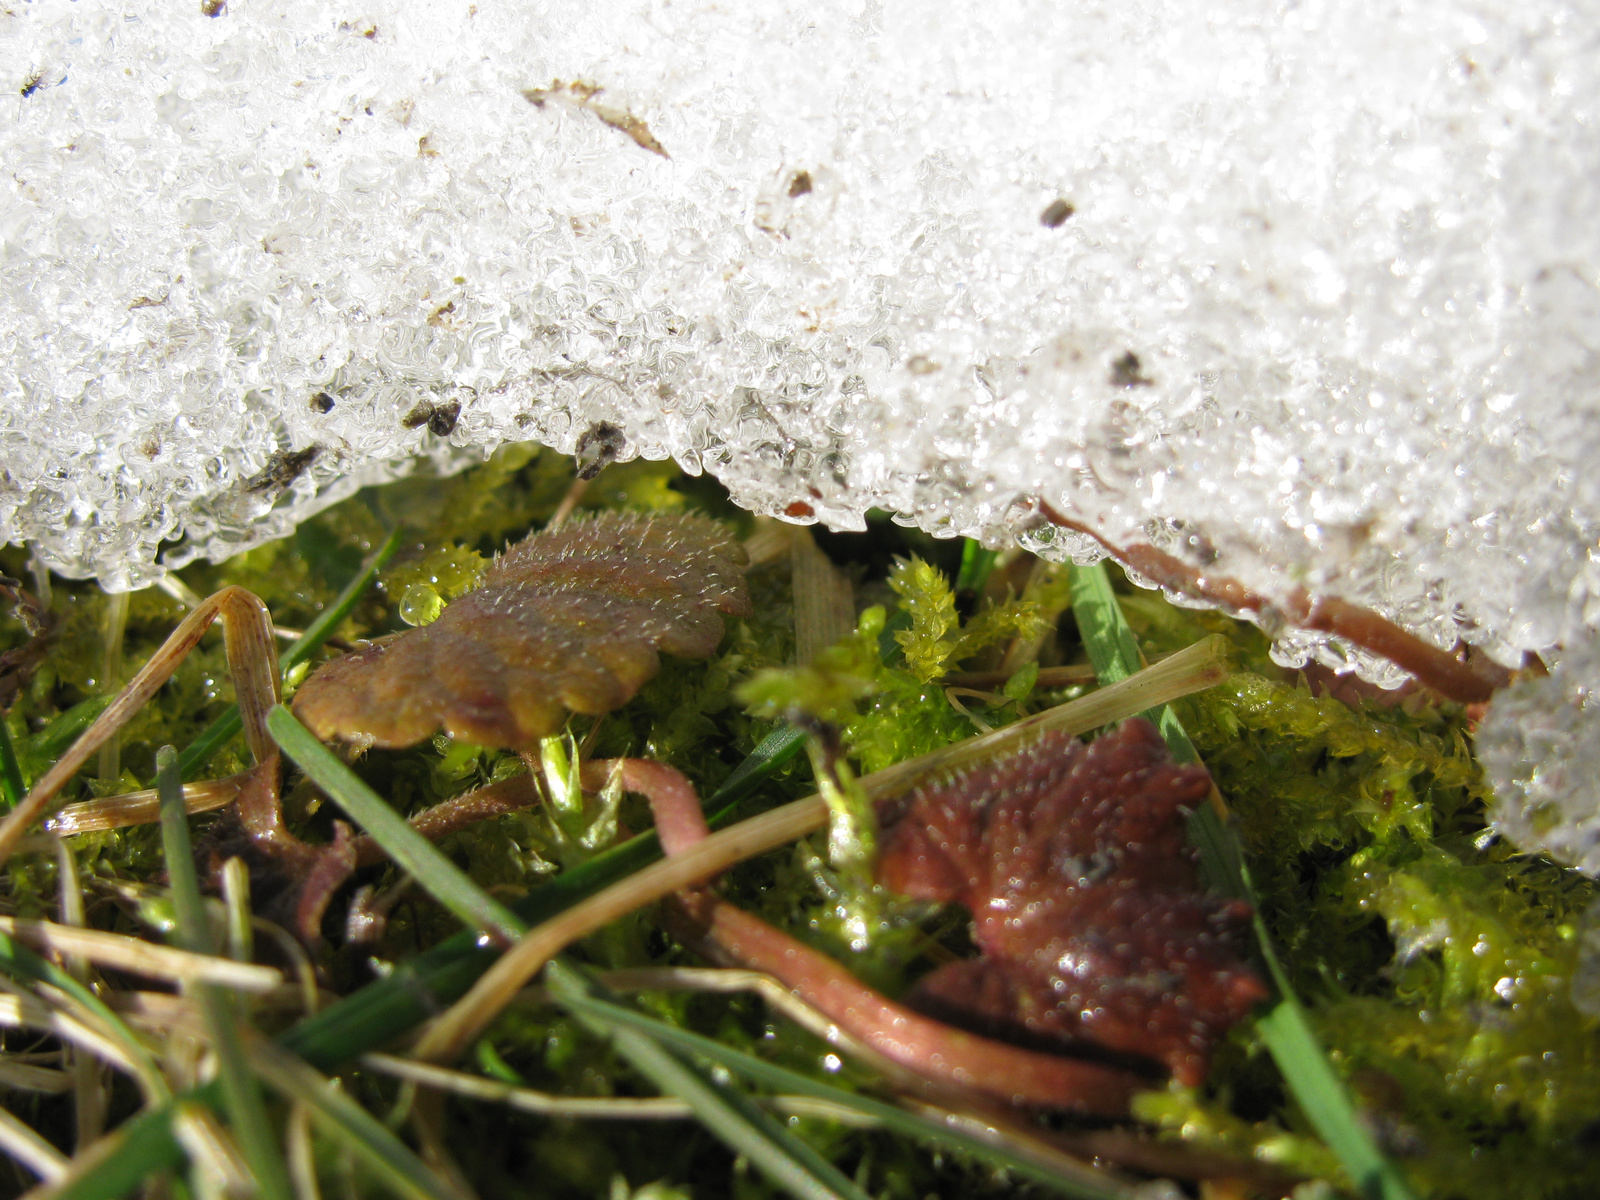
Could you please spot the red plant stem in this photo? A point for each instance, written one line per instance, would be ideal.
(1438, 669)
(495, 800)
(930, 1048)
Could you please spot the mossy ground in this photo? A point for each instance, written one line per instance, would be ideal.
(1436, 962)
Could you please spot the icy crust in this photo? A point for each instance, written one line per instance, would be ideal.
(1305, 293)
(1538, 745)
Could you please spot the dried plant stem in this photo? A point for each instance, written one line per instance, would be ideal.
(1469, 683)
(21, 1011)
(1200, 666)
(116, 626)
(141, 807)
(824, 604)
(28, 1148)
(140, 957)
(252, 658)
(615, 1108)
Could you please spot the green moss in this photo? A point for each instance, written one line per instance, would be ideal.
(936, 639)
(1438, 966)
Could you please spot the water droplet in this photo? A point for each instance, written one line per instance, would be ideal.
(420, 605)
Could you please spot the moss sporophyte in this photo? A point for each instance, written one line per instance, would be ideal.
(528, 723)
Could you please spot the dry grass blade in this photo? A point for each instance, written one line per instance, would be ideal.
(252, 656)
(142, 958)
(141, 807)
(615, 1108)
(1200, 666)
(383, 1153)
(26, 1012)
(523, 1099)
(25, 1077)
(20, 1141)
(824, 608)
(212, 1152)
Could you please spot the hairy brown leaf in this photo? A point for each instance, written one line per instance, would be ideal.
(566, 620)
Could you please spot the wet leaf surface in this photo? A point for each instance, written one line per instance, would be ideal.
(1086, 901)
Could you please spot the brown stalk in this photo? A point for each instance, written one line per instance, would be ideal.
(1441, 670)
(252, 658)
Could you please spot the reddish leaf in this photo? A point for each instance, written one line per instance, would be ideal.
(1085, 900)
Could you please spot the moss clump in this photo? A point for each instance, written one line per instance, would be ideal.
(1438, 966)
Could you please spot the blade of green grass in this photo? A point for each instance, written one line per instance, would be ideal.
(44, 747)
(743, 1125)
(976, 564)
(1087, 1186)
(415, 854)
(385, 1155)
(228, 725)
(12, 789)
(1113, 649)
(241, 1095)
(732, 1117)
(417, 989)
(1285, 1027)
(777, 748)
